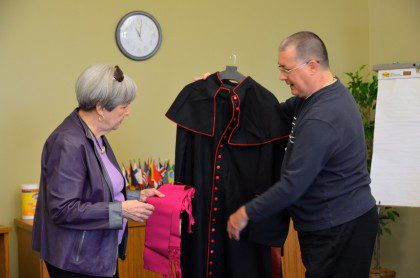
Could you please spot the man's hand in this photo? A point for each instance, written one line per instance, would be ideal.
(150, 192)
(207, 74)
(237, 222)
(136, 211)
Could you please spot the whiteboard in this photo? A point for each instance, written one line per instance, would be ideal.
(395, 170)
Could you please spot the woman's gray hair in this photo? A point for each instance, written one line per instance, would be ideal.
(97, 85)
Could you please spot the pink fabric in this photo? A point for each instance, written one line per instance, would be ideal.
(162, 252)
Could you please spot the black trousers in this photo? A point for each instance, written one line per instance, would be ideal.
(342, 251)
(56, 272)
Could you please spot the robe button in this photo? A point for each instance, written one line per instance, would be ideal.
(210, 262)
(221, 146)
(211, 251)
(215, 209)
(218, 166)
(216, 199)
(219, 156)
(214, 220)
(210, 273)
(217, 177)
(237, 108)
(213, 230)
(216, 188)
(235, 97)
(234, 119)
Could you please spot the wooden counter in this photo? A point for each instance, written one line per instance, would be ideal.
(4, 252)
(31, 266)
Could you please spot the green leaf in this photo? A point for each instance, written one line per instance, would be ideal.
(364, 93)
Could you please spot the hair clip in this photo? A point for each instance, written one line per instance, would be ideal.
(118, 74)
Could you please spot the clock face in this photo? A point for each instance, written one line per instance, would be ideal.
(138, 35)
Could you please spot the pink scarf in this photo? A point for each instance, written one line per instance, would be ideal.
(162, 252)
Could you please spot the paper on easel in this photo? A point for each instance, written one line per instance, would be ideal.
(395, 168)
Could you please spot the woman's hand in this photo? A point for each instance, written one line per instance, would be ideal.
(207, 74)
(136, 211)
(150, 192)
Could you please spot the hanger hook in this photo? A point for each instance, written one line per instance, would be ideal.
(234, 58)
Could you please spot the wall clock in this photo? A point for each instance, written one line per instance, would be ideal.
(138, 35)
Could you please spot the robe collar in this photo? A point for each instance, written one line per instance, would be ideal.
(260, 118)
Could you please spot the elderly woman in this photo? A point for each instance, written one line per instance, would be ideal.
(81, 214)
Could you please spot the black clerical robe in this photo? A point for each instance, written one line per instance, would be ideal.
(229, 146)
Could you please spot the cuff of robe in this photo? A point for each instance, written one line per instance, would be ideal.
(115, 215)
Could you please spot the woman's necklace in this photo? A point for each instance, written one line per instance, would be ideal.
(102, 148)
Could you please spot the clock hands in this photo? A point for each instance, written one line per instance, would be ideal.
(141, 25)
(139, 31)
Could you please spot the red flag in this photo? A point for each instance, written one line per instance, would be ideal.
(157, 174)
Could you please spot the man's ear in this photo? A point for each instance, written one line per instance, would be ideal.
(313, 66)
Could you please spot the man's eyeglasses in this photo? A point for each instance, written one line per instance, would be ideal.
(286, 70)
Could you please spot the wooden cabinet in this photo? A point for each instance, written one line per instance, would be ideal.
(4, 252)
(31, 266)
(292, 265)
(132, 266)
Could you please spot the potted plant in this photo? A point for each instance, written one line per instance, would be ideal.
(365, 93)
(386, 216)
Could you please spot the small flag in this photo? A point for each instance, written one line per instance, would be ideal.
(124, 173)
(171, 174)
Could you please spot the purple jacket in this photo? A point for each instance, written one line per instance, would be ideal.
(76, 220)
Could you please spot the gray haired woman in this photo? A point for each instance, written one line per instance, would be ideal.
(81, 214)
